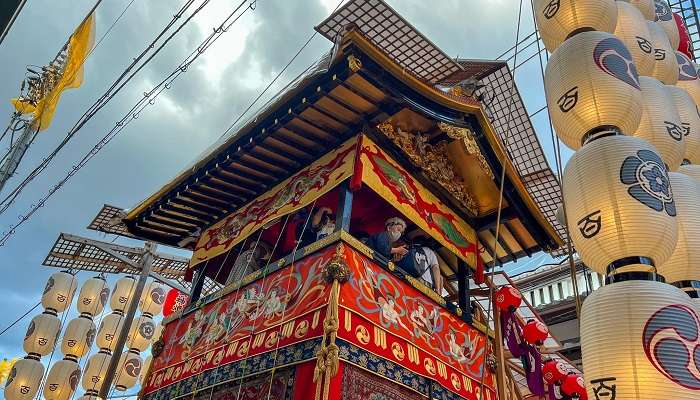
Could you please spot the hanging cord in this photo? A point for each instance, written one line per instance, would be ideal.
(506, 138)
(104, 98)
(148, 99)
(245, 271)
(284, 310)
(556, 146)
(20, 318)
(238, 289)
(257, 310)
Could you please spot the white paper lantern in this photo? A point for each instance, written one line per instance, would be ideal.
(123, 292)
(95, 371)
(592, 84)
(24, 379)
(664, 17)
(688, 77)
(646, 7)
(557, 20)
(690, 120)
(62, 380)
(42, 333)
(661, 125)
(59, 291)
(619, 203)
(665, 66)
(640, 333)
(78, 337)
(93, 296)
(684, 264)
(141, 333)
(145, 370)
(152, 299)
(107, 334)
(632, 29)
(691, 170)
(129, 369)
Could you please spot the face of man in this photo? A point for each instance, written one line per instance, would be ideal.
(395, 231)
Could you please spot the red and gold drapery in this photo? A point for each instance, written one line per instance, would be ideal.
(294, 193)
(392, 182)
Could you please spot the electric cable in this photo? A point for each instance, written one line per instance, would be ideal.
(147, 99)
(105, 98)
(20, 318)
(506, 139)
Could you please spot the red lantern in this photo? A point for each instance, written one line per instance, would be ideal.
(573, 386)
(175, 301)
(535, 332)
(508, 298)
(553, 372)
(685, 45)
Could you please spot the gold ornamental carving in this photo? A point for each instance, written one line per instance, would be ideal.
(432, 160)
(354, 63)
(467, 137)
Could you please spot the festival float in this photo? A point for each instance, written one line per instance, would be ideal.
(295, 214)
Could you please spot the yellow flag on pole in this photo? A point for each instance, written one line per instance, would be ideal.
(79, 46)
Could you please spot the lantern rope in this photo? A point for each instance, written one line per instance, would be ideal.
(20, 318)
(501, 188)
(257, 309)
(284, 309)
(221, 266)
(556, 146)
(245, 271)
(240, 251)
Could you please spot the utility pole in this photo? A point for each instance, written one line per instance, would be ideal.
(145, 264)
(17, 150)
(85, 254)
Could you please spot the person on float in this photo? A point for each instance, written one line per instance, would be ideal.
(426, 263)
(388, 242)
(321, 225)
(250, 260)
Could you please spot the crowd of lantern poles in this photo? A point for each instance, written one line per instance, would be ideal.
(64, 376)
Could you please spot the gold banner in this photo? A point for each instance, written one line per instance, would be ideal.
(291, 195)
(383, 175)
(79, 46)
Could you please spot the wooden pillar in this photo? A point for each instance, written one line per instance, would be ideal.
(463, 274)
(344, 207)
(198, 283)
(498, 349)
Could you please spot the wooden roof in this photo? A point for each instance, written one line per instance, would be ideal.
(335, 100)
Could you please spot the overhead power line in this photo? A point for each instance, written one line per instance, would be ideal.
(122, 80)
(149, 98)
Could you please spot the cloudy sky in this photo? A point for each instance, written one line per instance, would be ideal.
(191, 115)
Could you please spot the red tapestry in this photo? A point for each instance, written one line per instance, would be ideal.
(383, 310)
(284, 308)
(363, 385)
